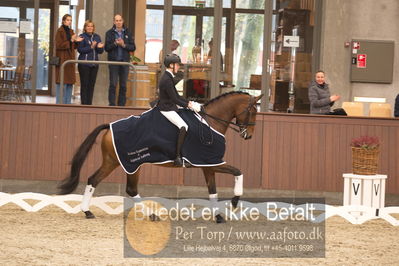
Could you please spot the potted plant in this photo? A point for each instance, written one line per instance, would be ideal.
(365, 154)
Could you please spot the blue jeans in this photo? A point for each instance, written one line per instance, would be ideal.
(67, 94)
(117, 72)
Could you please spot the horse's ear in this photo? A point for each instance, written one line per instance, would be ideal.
(258, 98)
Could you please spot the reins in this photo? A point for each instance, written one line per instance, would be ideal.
(232, 125)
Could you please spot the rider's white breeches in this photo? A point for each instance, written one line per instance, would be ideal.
(173, 117)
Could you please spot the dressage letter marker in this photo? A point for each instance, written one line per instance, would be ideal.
(364, 190)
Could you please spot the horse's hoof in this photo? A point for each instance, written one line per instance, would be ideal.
(154, 218)
(234, 201)
(89, 215)
(219, 219)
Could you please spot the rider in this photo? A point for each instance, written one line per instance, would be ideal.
(169, 100)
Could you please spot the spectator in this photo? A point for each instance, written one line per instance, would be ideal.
(118, 43)
(88, 49)
(174, 44)
(319, 95)
(65, 43)
(209, 58)
(396, 113)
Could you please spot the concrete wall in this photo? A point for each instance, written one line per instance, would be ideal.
(103, 13)
(344, 20)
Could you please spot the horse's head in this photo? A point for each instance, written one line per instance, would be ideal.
(245, 114)
(235, 104)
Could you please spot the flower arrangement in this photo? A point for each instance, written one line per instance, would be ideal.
(365, 154)
(366, 142)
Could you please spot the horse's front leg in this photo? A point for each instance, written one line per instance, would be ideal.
(209, 174)
(238, 178)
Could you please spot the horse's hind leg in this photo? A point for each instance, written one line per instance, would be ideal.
(209, 173)
(110, 162)
(106, 168)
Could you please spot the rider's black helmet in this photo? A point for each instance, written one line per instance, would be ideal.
(170, 59)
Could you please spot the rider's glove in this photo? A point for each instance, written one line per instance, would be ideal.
(196, 107)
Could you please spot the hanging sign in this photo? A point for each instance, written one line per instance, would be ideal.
(8, 25)
(356, 45)
(25, 26)
(361, 61)
(291, 41)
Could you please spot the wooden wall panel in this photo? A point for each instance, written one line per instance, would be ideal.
(38, 142)
(287, 151)
(318, 150)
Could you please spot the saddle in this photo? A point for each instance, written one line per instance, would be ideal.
(151, 138)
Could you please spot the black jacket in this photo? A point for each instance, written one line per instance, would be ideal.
(112, 48)
(396, 113)
(169, 98)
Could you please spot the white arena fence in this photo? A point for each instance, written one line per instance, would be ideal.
(355, 214)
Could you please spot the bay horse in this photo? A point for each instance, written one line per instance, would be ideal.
(218, 112)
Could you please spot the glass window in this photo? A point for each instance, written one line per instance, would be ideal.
(9, 41)
(291, 65)
(43, 49)
(63, 9)
(183, 30)
(250, 4)
(203, 3)
(154, 35)
(227, 3)
(248, 48)
(208, 3)
(155, 2)
(9, 12)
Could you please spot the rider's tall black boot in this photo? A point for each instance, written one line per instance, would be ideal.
(180, 140)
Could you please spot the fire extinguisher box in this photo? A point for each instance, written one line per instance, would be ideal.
(372, 61)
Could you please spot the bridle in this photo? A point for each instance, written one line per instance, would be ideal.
(241, 128)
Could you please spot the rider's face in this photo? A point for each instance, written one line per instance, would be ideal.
(175, 67)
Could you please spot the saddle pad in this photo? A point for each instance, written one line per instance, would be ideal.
(151, 138)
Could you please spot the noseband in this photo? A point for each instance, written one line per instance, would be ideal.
(241, 128)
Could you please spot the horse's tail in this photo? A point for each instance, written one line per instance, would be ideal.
(70, 183)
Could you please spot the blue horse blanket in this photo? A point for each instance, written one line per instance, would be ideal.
(151, 138)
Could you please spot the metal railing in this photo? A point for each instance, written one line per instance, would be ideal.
(89, 62)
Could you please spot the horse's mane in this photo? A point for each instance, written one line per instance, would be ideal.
(224, 95)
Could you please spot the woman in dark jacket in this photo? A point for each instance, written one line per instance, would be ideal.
(88, 49)
(319, 95)
(65, 45)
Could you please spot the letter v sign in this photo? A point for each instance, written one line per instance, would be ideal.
(356, 189)
(376, 188)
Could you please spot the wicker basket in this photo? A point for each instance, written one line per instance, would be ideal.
(365, 162)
